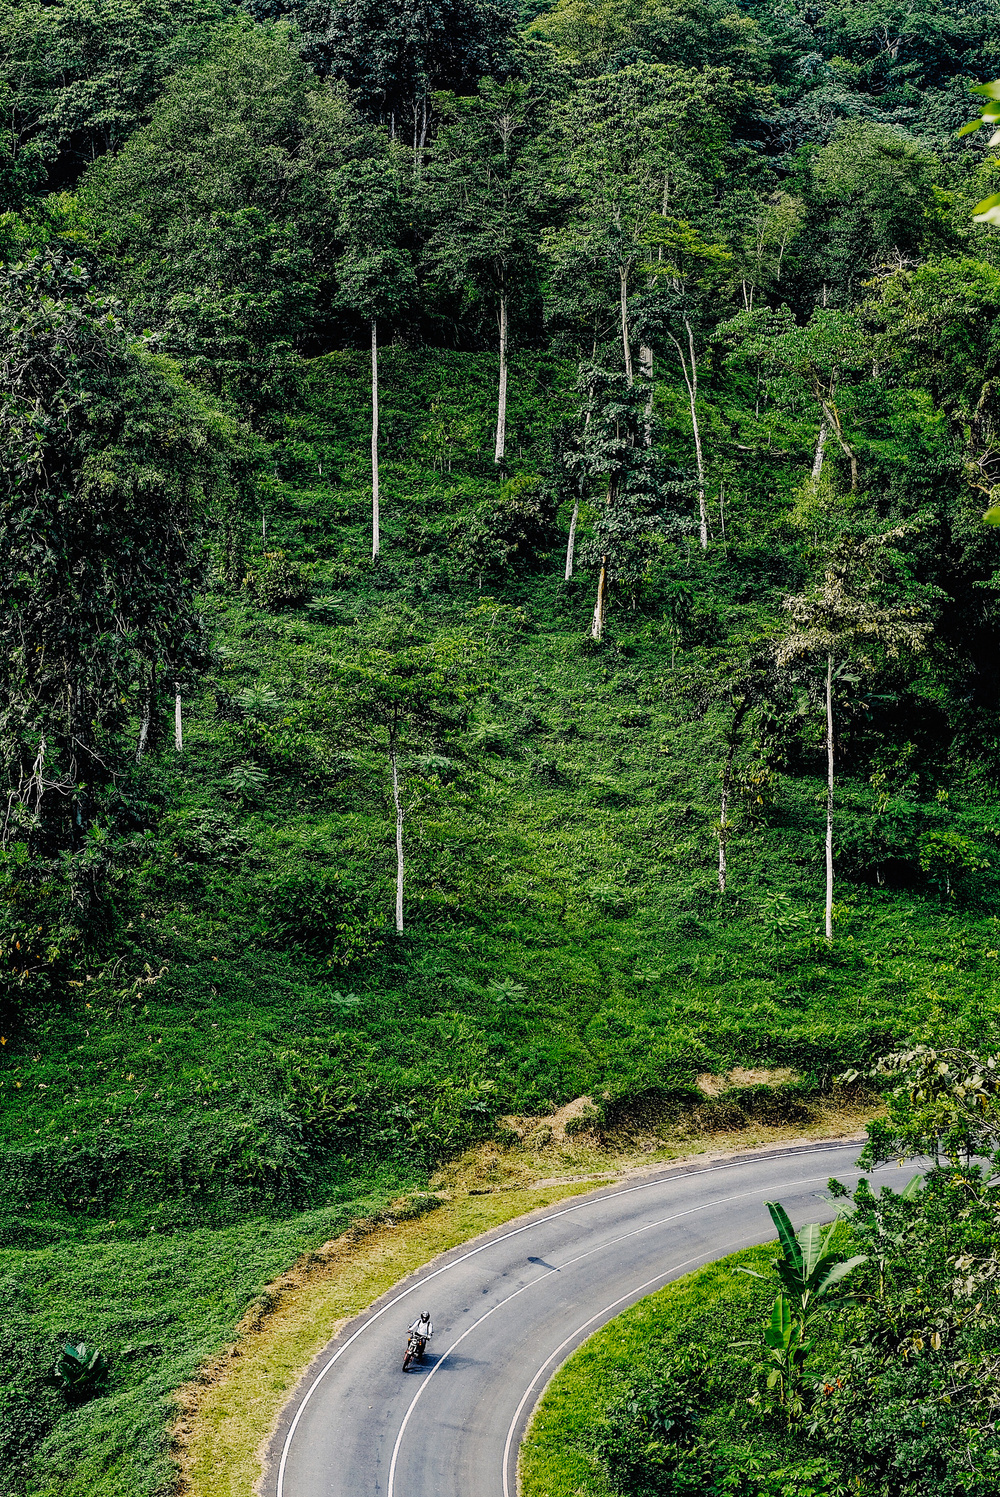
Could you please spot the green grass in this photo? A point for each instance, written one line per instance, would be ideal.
(253, 1056)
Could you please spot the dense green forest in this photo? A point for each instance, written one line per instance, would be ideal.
(496, 608)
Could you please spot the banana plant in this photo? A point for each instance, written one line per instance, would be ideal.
(810, 1266)
(82, 1369)
(787, 1348)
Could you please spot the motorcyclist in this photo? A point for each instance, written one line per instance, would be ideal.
(422, 1330)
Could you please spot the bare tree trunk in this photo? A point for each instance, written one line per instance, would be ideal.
(178, 720)
(646, 370)
(597, 627)
(829, 796)
(570, 544)
(691, 380)
(147, 715)
(502, 398)
(832, 416)
(817, 471)
(626, 341)
(399, 834)
(724, 825)
(375, 493)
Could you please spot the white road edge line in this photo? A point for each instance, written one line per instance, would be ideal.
(493, 1242)
(603, 1247)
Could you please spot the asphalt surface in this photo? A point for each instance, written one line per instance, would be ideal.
(508, 1309)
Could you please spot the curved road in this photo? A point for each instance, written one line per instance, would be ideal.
(508, 1309)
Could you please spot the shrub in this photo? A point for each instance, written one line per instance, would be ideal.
(278, 582)
(512, 531)
(82, 1370)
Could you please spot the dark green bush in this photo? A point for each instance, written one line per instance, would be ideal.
(278, 582)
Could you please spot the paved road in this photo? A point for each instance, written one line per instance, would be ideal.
(508, 1309)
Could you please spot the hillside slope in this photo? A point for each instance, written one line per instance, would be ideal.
(259, 1055)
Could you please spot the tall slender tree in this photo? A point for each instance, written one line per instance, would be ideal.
(487, 191)
(611, 460)
(375, 270)
(679, 311)
(643, 141)
(852, 614)
(405, 690)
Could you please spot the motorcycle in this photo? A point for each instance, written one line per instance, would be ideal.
(415, 1348)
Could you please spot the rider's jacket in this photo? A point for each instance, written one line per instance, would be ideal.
(423, 1327)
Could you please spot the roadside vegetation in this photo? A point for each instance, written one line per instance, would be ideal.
(496, 611)
(862, 1357)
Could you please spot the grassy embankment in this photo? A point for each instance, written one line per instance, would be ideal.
(256, 1060)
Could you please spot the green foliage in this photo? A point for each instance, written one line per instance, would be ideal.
(82, 1370)
(941, 1100)
(219, 216)
(278, 581)
(113, 473)
(512, 532)
(809, 1269)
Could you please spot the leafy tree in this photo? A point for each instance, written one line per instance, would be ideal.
(851, 611)
(827, 358)
(638, 144)
(686, 274)
(394, 57)
(111, 468)
(77, 78)
(487, 192)
(404, 688)
(766, 232)
(375, 270)
(600, 36)
(941, 1100)
(219, 217)
(875, 204)
(937, 330)
(612, 452)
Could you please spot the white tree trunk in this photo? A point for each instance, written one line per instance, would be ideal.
(829, 797)
(399, 836)
(178, 721)
(817, 471)
(571, 543)
(626, 340)
(597, 627)
(691, 380)
(723, 834)
(147, 716)
(502, 397)
(646, 370)
(375, 494)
